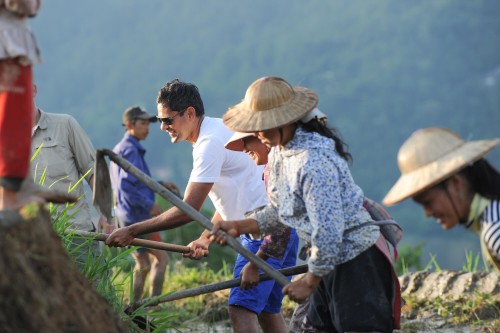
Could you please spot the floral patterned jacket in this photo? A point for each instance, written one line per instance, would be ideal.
(312, 190)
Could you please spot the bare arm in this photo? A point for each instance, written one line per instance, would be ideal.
(195, 195)
(205, 235)
(234, 228)
(250, 273)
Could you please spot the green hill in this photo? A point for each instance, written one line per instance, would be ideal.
(382, 69)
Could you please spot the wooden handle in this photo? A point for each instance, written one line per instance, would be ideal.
(194, 214)
(137, 242)
(210, 288)
(161, 246)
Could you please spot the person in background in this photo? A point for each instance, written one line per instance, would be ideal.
(63, 157)
(136, 202)
(231, 180)
(453, 183)
(281, 246)
(18, 53)
(350, 281)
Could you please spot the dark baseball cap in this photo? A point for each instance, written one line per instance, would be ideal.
(136, 112)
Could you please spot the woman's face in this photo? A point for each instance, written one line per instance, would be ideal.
(437, 204)
(449, 206)
(255, 149)
(271, 138)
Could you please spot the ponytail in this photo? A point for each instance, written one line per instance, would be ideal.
(318, 126)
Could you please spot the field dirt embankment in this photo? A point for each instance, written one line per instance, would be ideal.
(42, 289)
(450, 301)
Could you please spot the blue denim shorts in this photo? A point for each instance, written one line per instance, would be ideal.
(267, 296)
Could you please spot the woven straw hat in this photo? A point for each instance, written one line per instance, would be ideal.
(431, 155)
(270, 102)
(236, 141)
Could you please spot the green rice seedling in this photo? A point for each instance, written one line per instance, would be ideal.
(475, 309)
(106, 273)
(155, 321)
(493, 327)
(409, 257)
(431, 263)
(104, 269)
(404, 266)
(37, 151)
(111, 274)
(471, 262)
(209, 308)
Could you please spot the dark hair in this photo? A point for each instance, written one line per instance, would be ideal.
(340, 146)
(177, 96)
(483, 178)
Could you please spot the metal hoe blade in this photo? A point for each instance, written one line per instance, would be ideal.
(102, 197)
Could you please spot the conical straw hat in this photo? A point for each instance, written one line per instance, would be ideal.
(431, 155)
(236, 141)
(270, 102)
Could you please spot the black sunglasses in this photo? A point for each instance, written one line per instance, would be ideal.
(170, 120)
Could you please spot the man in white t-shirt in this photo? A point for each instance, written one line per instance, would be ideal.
(231, 180)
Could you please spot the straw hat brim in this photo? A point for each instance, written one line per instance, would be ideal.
(236, 141)
(417, 181)
(241, 118)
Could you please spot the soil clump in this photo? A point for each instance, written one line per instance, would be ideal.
(42, 289)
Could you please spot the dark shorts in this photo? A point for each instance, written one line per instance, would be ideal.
(355, 296)
(267, 296)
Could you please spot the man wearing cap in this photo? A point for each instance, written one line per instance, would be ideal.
(453, 183)
(136, 202)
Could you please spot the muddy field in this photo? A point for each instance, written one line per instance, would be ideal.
(427, 295)
(436, 301)
(42, 291)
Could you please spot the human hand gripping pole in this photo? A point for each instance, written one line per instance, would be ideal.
(103, 203)
(136, 242)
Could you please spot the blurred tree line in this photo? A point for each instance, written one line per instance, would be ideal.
(382, 69)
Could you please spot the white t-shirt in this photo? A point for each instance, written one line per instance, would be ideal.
(238, 186)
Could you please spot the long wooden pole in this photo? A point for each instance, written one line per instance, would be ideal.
(137, 242)
(193, 213)
(209, 288)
